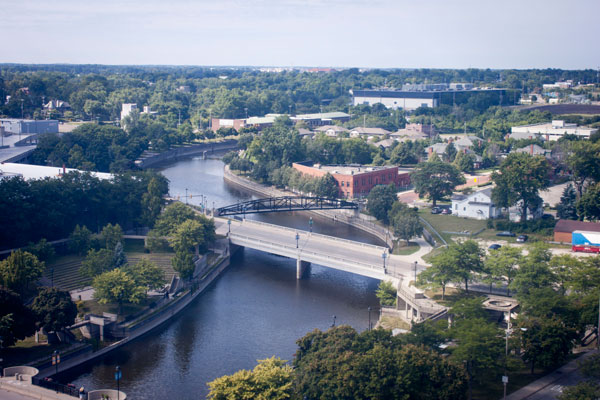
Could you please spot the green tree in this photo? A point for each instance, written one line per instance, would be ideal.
(546, 342)
(584, 390)
(566, 208)
(584, 161)
(406, 224)
(436, 179)
(327, 187)
(502, 265)
(147, 274)
(97, 262)
(111, 235)
(271, 379)
(441, 272)
(172, 216)
(152, 201)
(464, 162)
(16, 321)
(519, 180)
(462, 261)
(183, 263)
(386, 293)
(534, 270)
(54, 309)
(588, 206)
(80, 240)
(450, 153)
(479, 346)
(19, 270)
(116, 286)
(380, 201)
(43, 250)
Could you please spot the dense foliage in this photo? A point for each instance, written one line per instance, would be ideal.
(75, 198)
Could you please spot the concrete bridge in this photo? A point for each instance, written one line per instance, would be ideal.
(342, 254)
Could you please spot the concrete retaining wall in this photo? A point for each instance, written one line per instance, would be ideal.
(145, 326)
(112, 394)
(186, 151)
(25, 373)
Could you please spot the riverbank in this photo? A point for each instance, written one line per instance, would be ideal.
(354, 219)
(151, 159)
(144, 325)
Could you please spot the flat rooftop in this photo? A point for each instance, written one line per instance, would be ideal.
(28, 171)
(350, 169)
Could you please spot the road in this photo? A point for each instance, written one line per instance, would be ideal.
(362, 254)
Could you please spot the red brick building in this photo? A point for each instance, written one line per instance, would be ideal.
(357, 181)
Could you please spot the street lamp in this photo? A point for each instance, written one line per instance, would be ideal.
(505, 376)
(56, 360)
(118, 379)
(310, 224)
(333, 324)
(384, 256)
(415, 273)
(186, 198)
(369, 308)
(228, 226)
(297, 238)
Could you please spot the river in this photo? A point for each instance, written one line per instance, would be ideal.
(254, 310)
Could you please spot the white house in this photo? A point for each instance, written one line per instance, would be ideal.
(478, 205)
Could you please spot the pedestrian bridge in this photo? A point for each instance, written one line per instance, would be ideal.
(286, 203)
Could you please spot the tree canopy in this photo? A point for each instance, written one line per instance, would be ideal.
(436, 179)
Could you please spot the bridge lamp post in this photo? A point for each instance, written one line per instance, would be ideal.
(310, 224)
(333, 324)
(186, 198)
(384, 256)
(415, 273)
(297, 238)
(228, 226)
(369, 308)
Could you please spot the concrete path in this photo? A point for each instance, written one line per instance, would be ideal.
(11, 389)
(550, 386)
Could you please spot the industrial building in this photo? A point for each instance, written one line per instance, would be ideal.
(28, 126)
(356, 181)
(312, 120)
(413, 96)
(551, 130)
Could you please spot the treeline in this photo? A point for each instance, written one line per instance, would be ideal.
(50, 208)
(99, 91)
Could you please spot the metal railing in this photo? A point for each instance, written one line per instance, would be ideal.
(56, 386)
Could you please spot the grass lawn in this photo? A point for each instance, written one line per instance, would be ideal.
(451, 223)
(389, 322)
(401, 249)
(26, 351)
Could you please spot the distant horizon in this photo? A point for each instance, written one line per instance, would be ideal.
(2, 63)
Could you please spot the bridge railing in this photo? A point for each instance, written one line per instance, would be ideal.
(300, 252)
(366, 245)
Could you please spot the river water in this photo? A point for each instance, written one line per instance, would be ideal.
(254, 310)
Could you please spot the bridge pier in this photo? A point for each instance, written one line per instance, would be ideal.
(301, 267)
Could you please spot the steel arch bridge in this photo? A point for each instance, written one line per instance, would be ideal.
(285, 203)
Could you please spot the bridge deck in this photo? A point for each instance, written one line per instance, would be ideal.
(348, 255)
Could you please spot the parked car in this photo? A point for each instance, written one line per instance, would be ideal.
(436, 210)
(505, 233)
(446, 211)
(494, 246)
(522, 238)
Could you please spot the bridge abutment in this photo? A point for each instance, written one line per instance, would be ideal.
(301, 267)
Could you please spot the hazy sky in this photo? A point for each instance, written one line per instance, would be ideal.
(338, 33)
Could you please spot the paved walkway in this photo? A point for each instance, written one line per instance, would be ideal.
(11, 389)
(550, 386)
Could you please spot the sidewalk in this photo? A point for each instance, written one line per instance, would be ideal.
(28, 390)
(544, 382)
